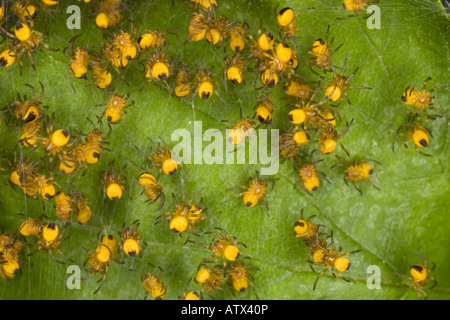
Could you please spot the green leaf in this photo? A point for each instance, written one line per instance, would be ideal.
(408, 213)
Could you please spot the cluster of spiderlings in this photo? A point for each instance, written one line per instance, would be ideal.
(320, 118)
(80, 60)
(119, 50)
(20, 34)
(27, 175)
(184, 219)
(270, 60)
(107, 247)
(321, 253)
(185, 215)
(34, 171)
(109, 13)
(35, 174)
(98, 261)
(81, 154)
(38, 128)
(273, 61)
(75, 203)
(416, 130)
(212, 275)
(48, 236)
(28, 115)
(52, 141)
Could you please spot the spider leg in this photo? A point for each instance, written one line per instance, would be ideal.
(89, 276)
(425, 83)
(395, 140)
(435, 283)
(344, 131)
(54, 258)
(349, 253)
(358, 189)
(342, 277)
(102, 280)
(332, 241)
(440, 112)
(265, 206)
(65, 257)
(422, 258)
(432, 268)
(403, 276)
(352, 74)
(420, 152)
(420, 291)
(439, 88)
(318, 277)
(343, 148)
(234, 197)
(373, 185)
(333, 273)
